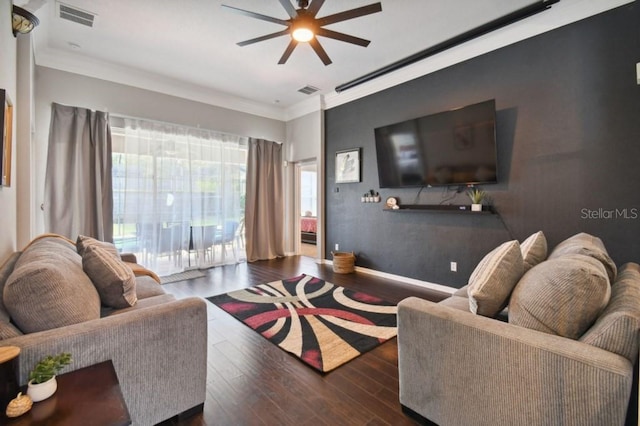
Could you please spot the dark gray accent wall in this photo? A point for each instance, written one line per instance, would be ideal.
(568, 134)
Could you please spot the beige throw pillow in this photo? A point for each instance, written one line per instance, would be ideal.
(587, 245)
(48, 288)
(561, 296)
(534, 250)
(82, 242)
(114, 280)
(616, 327)
(493, 279)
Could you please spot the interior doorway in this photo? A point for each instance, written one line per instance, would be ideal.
(307, 208)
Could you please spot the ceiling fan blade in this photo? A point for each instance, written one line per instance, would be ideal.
(289, 8)
(287, 52)
(263, 38)
(342, 37)
(314, 7)
(315, 44)
(350, 14)
(258, 16)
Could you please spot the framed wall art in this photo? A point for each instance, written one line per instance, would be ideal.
(348, 166)
(6, 121)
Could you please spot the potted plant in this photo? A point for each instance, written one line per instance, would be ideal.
(42, 379)
(476, 195)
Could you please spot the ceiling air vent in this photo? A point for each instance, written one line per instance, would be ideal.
(73, 14)
(307, 90)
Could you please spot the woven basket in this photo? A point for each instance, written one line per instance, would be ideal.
(343, 262)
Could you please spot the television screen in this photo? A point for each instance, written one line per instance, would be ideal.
(454, 147)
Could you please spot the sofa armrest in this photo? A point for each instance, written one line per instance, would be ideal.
(459, 368)
(159, 354)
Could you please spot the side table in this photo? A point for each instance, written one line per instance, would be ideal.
(88, 396)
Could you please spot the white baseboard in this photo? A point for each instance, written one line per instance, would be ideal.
(412, 281)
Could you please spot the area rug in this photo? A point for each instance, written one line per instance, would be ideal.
(181, 276)
(322, 324)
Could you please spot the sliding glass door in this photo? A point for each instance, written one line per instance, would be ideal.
(178, 195)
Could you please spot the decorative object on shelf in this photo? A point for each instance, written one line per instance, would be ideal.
(6, 122)
(392, 203)
(477, 196)
(19, 405)
(370, 197)
(23, 21)
(42, 383)
(348, 166)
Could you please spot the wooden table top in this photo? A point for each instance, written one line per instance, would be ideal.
(88, 396)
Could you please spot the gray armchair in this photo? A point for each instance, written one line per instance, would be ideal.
(457, 368)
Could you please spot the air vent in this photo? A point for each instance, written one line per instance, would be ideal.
(73, 14)
(307, 90)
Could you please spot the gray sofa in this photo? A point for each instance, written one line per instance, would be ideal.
(158, 344)
(556, 355)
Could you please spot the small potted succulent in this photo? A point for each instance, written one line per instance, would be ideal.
(42, 379)
(477, 196)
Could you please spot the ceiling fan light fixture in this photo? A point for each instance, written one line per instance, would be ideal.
(302, 34)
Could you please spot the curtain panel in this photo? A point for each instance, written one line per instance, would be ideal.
(78, 197)
(179, 194)
(265, 201)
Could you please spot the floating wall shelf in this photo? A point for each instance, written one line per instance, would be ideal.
(439, 208)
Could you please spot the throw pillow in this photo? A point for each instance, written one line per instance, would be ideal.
(588, 245)
(48, 288)
(493, 279)
(83, 242)
(534, 250)
(113, 279)
(561, 296)
(616, 327)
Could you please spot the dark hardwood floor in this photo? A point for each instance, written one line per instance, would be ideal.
(250, 381)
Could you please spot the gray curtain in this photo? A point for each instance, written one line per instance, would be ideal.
(264, 208)
(78, 194)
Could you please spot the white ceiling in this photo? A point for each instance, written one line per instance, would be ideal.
(188, 48)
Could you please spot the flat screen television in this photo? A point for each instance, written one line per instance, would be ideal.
(456, 147)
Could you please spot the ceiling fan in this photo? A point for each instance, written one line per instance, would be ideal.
(303, 26)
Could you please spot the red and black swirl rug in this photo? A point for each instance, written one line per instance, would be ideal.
(322, 324)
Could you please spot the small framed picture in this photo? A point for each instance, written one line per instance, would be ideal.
(348, 166)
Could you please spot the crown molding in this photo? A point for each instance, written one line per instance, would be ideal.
(312, 104)
(95, 68)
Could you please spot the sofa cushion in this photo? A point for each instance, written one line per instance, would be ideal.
(456, 302)
(48, 288)
(588, 245)
(113, 279)
(561, 296)
(618, 325)
(83, 242)
(493, 279)
(8, 330)
(534, 250)
(148, 287)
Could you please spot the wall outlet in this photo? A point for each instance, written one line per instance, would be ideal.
(337, 247)
(454, 266)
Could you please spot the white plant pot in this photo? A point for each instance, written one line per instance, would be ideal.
(476, 207)
(41, 391)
